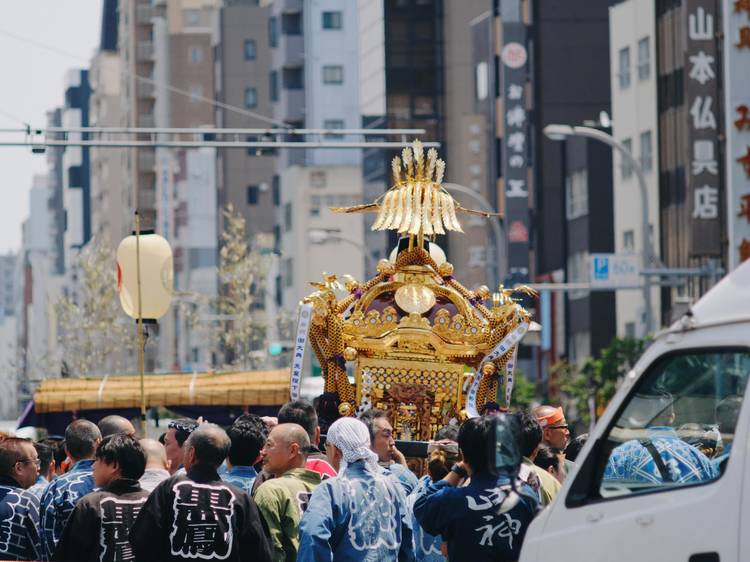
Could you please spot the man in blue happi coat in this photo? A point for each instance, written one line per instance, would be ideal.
(62, 494)
(19, 508)
(485, 520)
(384, 446)
(359, 515)
(659, 456)
(248, 435)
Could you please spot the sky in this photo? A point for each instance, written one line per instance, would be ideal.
(32, 83)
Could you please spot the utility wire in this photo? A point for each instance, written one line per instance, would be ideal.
(170, 87)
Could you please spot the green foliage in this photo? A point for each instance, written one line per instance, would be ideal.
(524, 392)
(601, 375)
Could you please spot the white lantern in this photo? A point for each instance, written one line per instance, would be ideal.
(156, 276)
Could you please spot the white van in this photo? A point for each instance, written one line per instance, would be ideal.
(679, 493)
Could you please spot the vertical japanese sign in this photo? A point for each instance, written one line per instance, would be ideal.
(737, 88)
(514, 61)
(702, 102)
(164, 188)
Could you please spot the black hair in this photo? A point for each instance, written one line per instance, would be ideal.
(10, 453)
(575, 446)
(547, 457)
(247, 440)
(58, 450)
(80, 439)
(45, 454)
(162, 438)
(302, 413)
(183, 427)
(531, 433)
(211, 444)
(450, 431)
(124, 451)
(369, 417)
(474, 442)
(327, 408)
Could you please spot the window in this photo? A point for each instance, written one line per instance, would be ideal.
(318, 179)
(196, 55)
(625, 168)
(628, 241)
(287, 217)
(332, 20)
(253, 194)
(250, 51)
(624, 69)
(253, 151)
(333, 74)
(647, 158)
(677, 426)
(629, 329)
(251, 97)
(482, 81)
(333, 124)
(644, 59)
(577, 195)
(273, 32)
(273, 85)
(578, 272)
(293, 78)
(276, 190)
(316, 201)
(288, 272)
(291, 24)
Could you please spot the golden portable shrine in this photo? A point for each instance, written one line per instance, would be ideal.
(422, 346)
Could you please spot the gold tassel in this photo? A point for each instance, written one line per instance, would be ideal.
(390, 208)
(399, 204)
(427, 210)
(396, 167)
(418, 158)
(437, 222)
(444, 210)
(416, 221)
(452, 213)
(406, 157)
(382, 213)
(403, 226)
(440, 171)
(431, 161)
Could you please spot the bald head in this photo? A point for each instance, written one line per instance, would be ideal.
(208, 444)
(156, 454)
(288, 433)
(115, 425)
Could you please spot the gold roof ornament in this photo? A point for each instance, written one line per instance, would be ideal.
(421, 345)
(417, 203)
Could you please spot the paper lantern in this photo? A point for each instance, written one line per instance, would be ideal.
(156, 276)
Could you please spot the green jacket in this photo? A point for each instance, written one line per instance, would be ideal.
(549, 486)
(281, 502)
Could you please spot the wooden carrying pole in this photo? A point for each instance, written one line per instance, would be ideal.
(141, 341)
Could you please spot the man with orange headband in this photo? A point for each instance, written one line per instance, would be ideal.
(555, 432)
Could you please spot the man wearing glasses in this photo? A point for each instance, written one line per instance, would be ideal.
(19, 508)
(555, 432)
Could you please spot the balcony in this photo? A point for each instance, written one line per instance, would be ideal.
(146, 160)
(143, 14)
(144, 51)
(146, 120)
(144, 89)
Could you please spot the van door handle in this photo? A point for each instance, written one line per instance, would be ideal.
(704, 557)
(594, 517)
(644, 520)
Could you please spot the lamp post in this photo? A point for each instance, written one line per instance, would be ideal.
(557, 132)
(495, 223)
(326, 235)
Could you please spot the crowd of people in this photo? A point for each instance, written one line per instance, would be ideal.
(263, 489)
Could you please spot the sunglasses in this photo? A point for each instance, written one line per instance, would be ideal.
(37, 462)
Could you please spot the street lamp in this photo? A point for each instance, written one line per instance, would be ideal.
(495, 223)
(557, 132)
(327, 235)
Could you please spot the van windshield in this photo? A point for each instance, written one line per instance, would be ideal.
(677, 427)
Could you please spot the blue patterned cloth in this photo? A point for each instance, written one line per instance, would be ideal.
(59, 500)
(19, 522)
(426, 546)
(406, 477)
(241, 476)
(39, 486)
(358, 516)
(484, 521)
(632, 462)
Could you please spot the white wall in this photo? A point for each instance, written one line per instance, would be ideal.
(634, 110)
